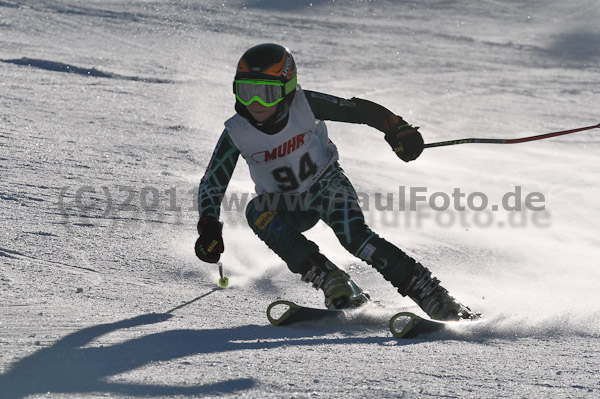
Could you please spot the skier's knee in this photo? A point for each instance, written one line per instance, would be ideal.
(258, 218)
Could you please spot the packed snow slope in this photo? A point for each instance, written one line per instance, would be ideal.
(110, 111)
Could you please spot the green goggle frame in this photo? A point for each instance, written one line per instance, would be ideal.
(265, 92)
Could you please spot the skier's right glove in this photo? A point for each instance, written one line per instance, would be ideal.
(209, 246)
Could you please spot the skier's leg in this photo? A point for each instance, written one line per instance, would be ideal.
(281, 229)
(341, 211)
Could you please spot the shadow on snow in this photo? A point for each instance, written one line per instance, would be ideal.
(68, 367)
(55, 66)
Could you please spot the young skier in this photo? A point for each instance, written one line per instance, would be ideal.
(279, 130)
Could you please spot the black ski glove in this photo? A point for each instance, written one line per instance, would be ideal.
(405, 140)
(209, 246)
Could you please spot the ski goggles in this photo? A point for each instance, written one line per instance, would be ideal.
(265, 92)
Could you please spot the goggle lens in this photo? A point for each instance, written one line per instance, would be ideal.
(266, 93)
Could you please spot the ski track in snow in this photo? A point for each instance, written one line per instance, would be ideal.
(101, 294)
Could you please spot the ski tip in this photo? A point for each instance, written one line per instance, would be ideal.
(401, 323)
(284, 310)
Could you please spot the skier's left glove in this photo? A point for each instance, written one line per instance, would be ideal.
(209, 246)
(405, 140)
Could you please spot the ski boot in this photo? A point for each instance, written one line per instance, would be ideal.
(340, 291)
(434, 299)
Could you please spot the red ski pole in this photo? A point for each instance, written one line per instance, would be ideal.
(509, 141)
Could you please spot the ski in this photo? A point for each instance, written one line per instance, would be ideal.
(402, 325)
(406, 325)
(278, 315)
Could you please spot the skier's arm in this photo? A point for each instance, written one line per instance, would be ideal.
(209, 245)
(217, 177)
(355, 110)
(405, 140)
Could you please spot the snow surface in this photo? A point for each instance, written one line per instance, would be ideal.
(102, 295)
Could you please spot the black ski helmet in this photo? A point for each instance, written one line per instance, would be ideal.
(271, 62)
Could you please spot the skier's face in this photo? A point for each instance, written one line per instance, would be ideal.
(259, 112)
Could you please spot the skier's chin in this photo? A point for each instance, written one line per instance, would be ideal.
(261, 113)
(260, 117)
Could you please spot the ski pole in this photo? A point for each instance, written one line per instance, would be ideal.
(509, 141)
(224, 280)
